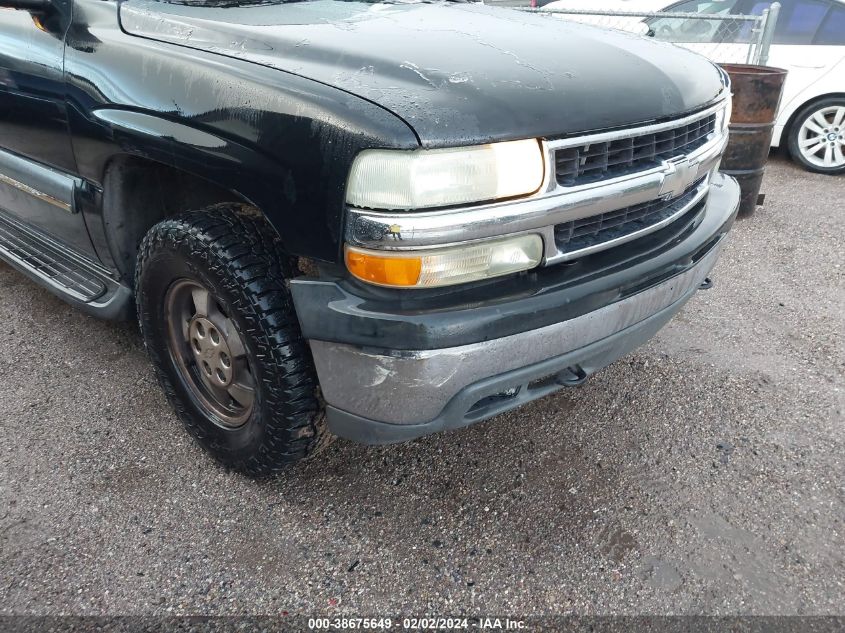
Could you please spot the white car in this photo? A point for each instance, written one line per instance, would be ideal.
(809, 42)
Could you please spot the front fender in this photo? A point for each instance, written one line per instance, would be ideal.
(283, 142)
(231, 165)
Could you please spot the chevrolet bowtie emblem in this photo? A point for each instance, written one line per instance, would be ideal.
(678, 177)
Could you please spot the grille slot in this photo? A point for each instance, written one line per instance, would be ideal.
(585, 164)
(585, 233)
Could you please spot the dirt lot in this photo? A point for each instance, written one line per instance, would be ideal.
(703, 474)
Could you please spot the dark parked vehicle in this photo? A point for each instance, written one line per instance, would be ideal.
(357, 215)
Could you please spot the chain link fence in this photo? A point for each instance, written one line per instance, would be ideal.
(722, 37)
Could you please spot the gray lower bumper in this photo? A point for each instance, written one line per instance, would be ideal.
(375, 397)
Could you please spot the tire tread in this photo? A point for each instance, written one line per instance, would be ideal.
(243, 252)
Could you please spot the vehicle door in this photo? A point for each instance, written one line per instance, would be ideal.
(38, 183)
(807, 42)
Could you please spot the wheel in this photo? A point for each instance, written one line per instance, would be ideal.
(817, 136)
(219, 326)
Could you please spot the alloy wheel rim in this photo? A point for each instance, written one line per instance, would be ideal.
(209, 353)
(821, 139)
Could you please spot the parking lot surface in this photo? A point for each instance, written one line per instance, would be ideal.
(702, 474)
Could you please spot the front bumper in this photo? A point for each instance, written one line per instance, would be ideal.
(379, 390)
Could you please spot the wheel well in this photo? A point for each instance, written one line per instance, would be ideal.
(138, 193)
(787, 130)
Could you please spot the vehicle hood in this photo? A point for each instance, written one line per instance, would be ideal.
(456, 73)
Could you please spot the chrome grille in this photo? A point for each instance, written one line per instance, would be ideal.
(588, 234)
(585, 164)
(660, 169)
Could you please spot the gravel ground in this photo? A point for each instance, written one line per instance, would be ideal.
(702, 474)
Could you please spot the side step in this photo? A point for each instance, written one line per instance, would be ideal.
(67, 273)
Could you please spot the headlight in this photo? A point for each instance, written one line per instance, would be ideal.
(419, 179)
(445, 266)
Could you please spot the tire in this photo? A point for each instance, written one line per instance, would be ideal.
(819, 126)
(269, 414)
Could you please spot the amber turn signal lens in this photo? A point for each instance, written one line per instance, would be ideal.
(384, 270)
(446, 265)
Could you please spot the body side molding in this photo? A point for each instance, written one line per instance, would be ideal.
(44, 183)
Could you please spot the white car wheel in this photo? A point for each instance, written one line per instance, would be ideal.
(818, 138)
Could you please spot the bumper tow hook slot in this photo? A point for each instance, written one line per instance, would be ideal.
(706, 284)
(572, 376)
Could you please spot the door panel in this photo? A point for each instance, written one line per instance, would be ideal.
(37, 169)
(35, 192)
(793, 48)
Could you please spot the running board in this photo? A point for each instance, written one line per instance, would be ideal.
(65, 272)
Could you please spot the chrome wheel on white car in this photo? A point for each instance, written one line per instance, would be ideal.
(817, 138)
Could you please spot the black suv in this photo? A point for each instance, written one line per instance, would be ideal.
(384, 219)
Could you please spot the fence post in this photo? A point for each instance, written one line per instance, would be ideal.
(767, 33)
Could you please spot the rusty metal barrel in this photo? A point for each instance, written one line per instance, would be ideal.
(757, 91)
